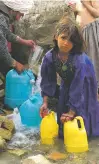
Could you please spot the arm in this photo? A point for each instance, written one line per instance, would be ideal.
(12, 37)
(48, 81)
(45, 99)
(4, 54)
(4, 26)
(48, 78)
(48, 84)
(94, 12)
(74, 8)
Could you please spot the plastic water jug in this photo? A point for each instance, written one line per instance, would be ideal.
(48, 129)
(75, 137)
(18, 87)
(29, 111)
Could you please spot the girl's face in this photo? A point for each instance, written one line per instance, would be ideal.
(63, 42)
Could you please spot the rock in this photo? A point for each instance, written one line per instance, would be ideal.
(28, 161)
(37, 159)
(6, 128)
(92, 162)
(3, 144)
(8, 124)
(40, 23)
(18, 152)
(5, 134)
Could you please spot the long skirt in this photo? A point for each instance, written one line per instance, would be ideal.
(91, 37)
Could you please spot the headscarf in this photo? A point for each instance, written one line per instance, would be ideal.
(22, 6)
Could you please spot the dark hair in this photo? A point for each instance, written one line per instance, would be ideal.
(20, 52)
(69, 26)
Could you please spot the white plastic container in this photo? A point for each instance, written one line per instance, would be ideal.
(35, 57)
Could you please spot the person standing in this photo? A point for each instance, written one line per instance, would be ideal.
(87, 16)
(7, 13)
(78, 89)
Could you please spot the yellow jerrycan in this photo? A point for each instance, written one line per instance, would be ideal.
(48, 129)
(75, 136)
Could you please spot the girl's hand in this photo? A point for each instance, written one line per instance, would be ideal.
(44, 110)
(67, 116)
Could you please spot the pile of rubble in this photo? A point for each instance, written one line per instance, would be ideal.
(6, 131)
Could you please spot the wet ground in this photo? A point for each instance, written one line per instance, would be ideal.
(28, 139)
(91, 157)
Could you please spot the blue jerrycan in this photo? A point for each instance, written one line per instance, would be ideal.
(29, 111)
(18, 87)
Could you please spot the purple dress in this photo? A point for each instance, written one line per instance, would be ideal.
(78, 90)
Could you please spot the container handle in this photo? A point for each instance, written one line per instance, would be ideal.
(51, 114)
(28, 74)
(34, 99)
(32, 81)
(80, 122)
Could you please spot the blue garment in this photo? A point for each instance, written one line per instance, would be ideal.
(80, 96)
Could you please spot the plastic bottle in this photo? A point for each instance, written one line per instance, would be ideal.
(48, 129)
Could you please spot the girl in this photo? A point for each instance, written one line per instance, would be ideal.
(78, 90)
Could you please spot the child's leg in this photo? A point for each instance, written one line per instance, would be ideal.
(60, 132)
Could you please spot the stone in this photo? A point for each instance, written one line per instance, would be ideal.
(92, 162)
(39, 24)
(5, 134)
(8, 124)
(3, 144)
(37, 159)
(18, 152)
(6, 128)
(28, 161)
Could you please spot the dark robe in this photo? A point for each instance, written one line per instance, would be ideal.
(78, 90)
